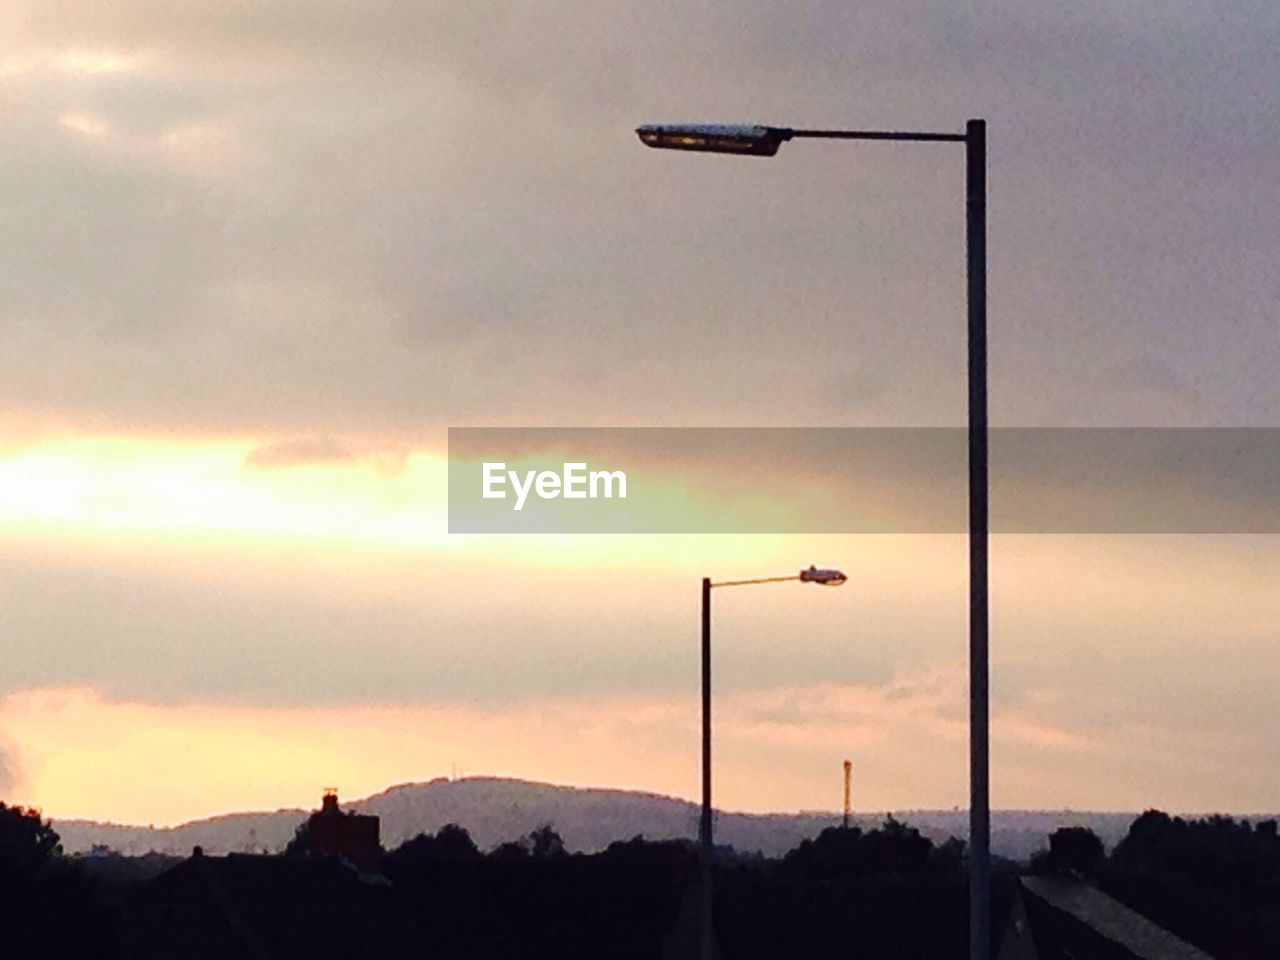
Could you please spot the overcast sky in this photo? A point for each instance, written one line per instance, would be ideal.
(260, 255)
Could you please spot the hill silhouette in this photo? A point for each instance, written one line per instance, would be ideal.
(494, 809)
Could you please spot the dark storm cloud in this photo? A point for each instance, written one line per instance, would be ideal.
(393, 216)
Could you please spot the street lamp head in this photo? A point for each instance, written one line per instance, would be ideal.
(749, 140)
(828, 578)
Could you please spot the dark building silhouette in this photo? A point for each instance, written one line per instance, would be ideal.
(1064, 916)
(333, 833)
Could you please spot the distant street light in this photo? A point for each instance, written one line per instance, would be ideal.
(826, 578)
(763, 141)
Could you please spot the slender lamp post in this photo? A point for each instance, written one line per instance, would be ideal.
(763, 141)
(826, 578)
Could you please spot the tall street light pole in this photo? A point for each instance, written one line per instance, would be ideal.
(827, 578)
(763, 141)
(979, 673)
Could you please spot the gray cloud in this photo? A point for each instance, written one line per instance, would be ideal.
(182, 627)
(294, 626)
(403, 216)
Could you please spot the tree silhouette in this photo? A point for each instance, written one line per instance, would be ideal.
(450, 844)
(545, 843)
(300, 845)
(48, 910)
(26, 841)
(510, 850)
(1213, 881)
(542, 843)
(896, 849)
(1215, 851)
(1071, 848)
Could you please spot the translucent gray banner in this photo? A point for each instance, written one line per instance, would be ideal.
(860, 480)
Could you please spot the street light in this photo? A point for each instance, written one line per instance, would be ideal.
(826, 578)
(763, 141)
(739, 138)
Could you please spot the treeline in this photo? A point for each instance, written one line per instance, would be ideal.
(453, 844)
(637, 898)
(1215, 852)
(1212, 852)
(1214, 881)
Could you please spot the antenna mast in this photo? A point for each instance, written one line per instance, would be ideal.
(848, 772)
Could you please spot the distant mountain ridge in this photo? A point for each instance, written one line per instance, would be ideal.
(495, 809)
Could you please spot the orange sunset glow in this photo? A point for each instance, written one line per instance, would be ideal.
(365, 533)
